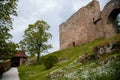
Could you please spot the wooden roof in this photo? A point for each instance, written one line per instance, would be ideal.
(20, 54)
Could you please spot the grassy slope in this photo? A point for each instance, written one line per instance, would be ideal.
(38, 72)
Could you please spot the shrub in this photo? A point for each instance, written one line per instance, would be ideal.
(50, 61)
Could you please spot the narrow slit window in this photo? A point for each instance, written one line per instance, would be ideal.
(73, 44)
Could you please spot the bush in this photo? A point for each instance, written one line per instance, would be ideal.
(50, 61)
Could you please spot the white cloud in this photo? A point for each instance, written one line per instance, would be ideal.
(54, 12)
(80, 3)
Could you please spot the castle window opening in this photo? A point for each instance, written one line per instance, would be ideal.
(117, 22)
(73, 44)
(114, 19)
(93, 19)
(91, 5)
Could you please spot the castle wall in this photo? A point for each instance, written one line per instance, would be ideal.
(80, 27)
(108, 16)
(89, 23)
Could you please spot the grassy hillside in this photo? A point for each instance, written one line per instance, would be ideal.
(69, 66)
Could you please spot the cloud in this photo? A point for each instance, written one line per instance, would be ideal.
(54, 12)
(80, 3)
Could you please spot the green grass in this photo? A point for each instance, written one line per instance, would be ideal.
(38, 72)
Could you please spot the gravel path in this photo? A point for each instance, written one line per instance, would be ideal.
(11, 74)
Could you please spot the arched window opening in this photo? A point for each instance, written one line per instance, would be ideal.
(117, 23)
(114, 19)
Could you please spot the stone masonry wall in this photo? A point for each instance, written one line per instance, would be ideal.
(86, 25)
(79, 28)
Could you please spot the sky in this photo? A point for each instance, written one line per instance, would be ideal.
(54, 12)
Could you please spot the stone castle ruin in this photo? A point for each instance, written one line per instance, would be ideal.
(89, 23)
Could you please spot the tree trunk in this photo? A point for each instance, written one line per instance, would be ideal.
(38, 57)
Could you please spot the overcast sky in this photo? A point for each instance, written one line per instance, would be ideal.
(54, 12)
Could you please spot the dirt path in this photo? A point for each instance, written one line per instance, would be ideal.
(11, 74)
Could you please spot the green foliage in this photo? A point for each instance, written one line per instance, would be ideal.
(7, 10)
(70, 68)
(35, 38)
(32, 72)
(116, 66)
(50, 61)
(10, 49)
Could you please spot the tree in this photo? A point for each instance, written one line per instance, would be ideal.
(11, 48)
(35, 39)
(7, 10)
